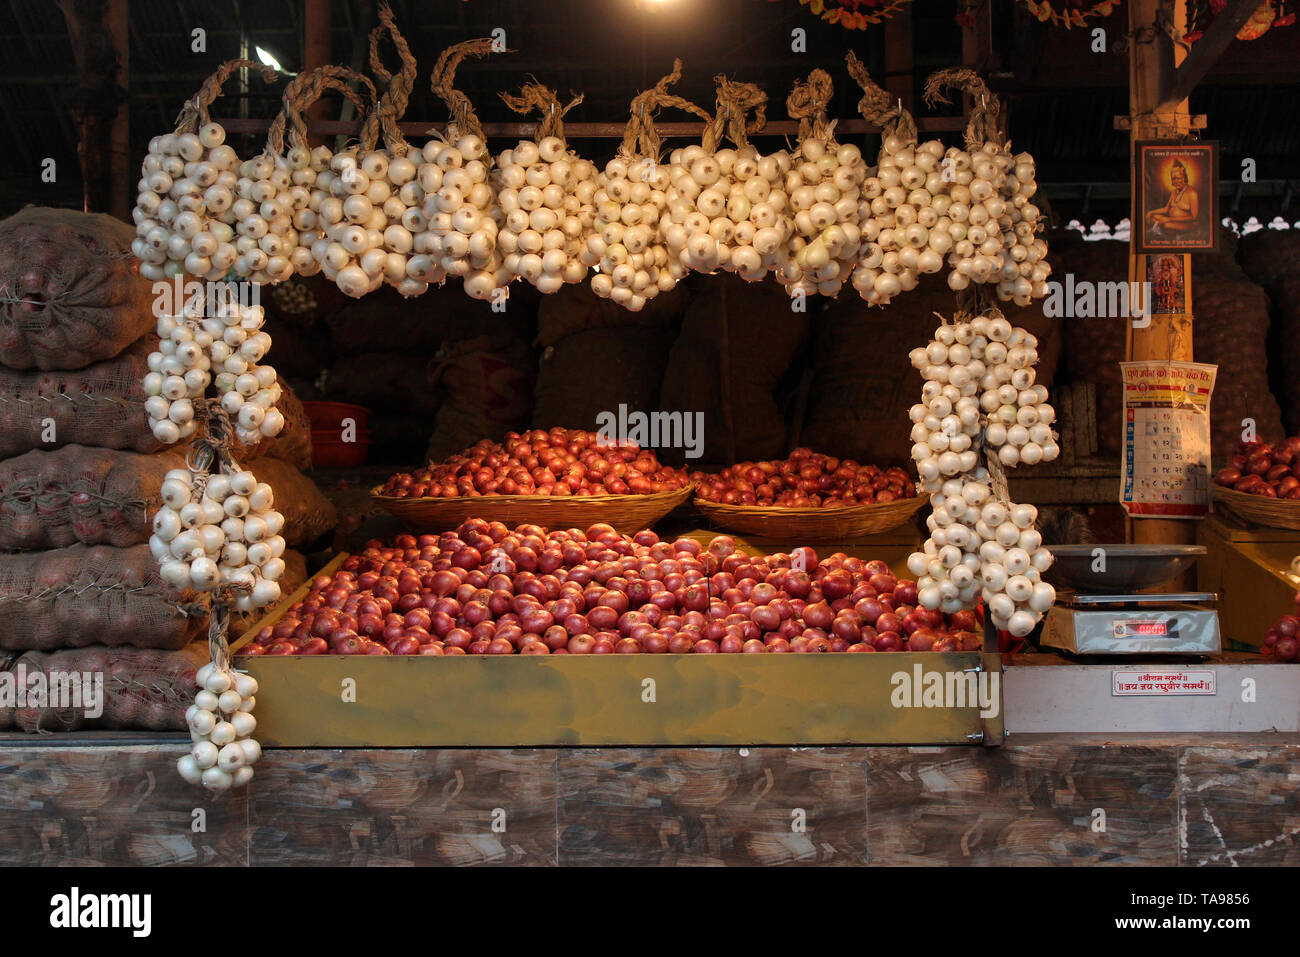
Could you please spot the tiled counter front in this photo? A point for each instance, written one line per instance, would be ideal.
(1056, 802)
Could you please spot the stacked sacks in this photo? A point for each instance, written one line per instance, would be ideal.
(82, 473)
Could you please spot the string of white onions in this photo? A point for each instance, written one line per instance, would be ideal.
(366, 218)
(547, 195)
(184, 207)
(462, 217)
(824, 184)
(632, 262)
(979, 545)
(728, 210)
(221, 725)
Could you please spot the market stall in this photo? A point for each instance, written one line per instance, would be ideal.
(612, 409)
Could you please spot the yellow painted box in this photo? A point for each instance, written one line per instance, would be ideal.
(1249, 568)
(623, 700)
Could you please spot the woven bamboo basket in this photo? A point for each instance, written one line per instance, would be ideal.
(813, 524)
(1273, 512)
(627, 513)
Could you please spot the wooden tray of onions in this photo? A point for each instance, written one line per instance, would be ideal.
(627, 513)
(807, 496)
(811, 524)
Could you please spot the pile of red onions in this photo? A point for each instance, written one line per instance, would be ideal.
(806, 479)
(485, 589)
(1262, 469)
(558, 462)
(1282, 639)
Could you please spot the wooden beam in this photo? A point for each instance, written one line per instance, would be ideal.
(1205, 51)
(575, 131)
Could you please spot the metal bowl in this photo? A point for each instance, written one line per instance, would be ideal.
(1126, 568)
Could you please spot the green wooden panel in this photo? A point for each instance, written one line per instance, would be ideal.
(525, 701)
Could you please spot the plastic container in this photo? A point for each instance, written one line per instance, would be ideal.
(329, 451)
(329, 416)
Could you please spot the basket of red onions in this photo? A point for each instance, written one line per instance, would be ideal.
(807, 495)
(561, 478)
(1261, 483)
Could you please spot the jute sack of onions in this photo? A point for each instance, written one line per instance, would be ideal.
(547, 193)
(313, 196)
(91, 595)
(727, 208)
(185, 209)
(823, 183)
(460, 206)
(993, 223)
(632, 260)
(903, 206)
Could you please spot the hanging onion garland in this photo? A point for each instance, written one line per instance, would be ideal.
(461, 207)
(980, 410)
(726, 206)
(547, 193)
(632, 260)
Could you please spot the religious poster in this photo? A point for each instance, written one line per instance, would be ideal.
(1177, 196)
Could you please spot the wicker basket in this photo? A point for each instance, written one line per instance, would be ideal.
(1259, 509)
(627, 513)
(813, 524)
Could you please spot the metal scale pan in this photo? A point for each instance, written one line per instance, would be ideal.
(1099, 609)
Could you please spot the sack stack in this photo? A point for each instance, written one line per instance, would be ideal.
(80, 478)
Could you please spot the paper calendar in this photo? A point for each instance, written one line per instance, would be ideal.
(1167, 439)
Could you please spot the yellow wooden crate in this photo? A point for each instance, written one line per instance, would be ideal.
(1250, 570)
(621, 700)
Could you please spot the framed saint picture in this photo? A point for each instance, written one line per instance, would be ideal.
(1177, 201)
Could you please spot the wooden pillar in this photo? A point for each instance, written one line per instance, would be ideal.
(122, 173)
(1152, 60)
(98, 32)
(316, 44)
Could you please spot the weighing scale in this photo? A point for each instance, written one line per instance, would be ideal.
(1100, 609)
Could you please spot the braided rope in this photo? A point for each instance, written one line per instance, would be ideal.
(442, 82)
(305, 89)
(878, 107)
(734, 103)
(195, 111)
(398, 93)
(986, 116)
(807, 103)
(535, 96)
(641, 137)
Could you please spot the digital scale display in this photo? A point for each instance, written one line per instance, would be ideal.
(1144, 628)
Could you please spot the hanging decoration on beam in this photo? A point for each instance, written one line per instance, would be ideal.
(855, 14)
(1269, 14)
(1064, 13)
